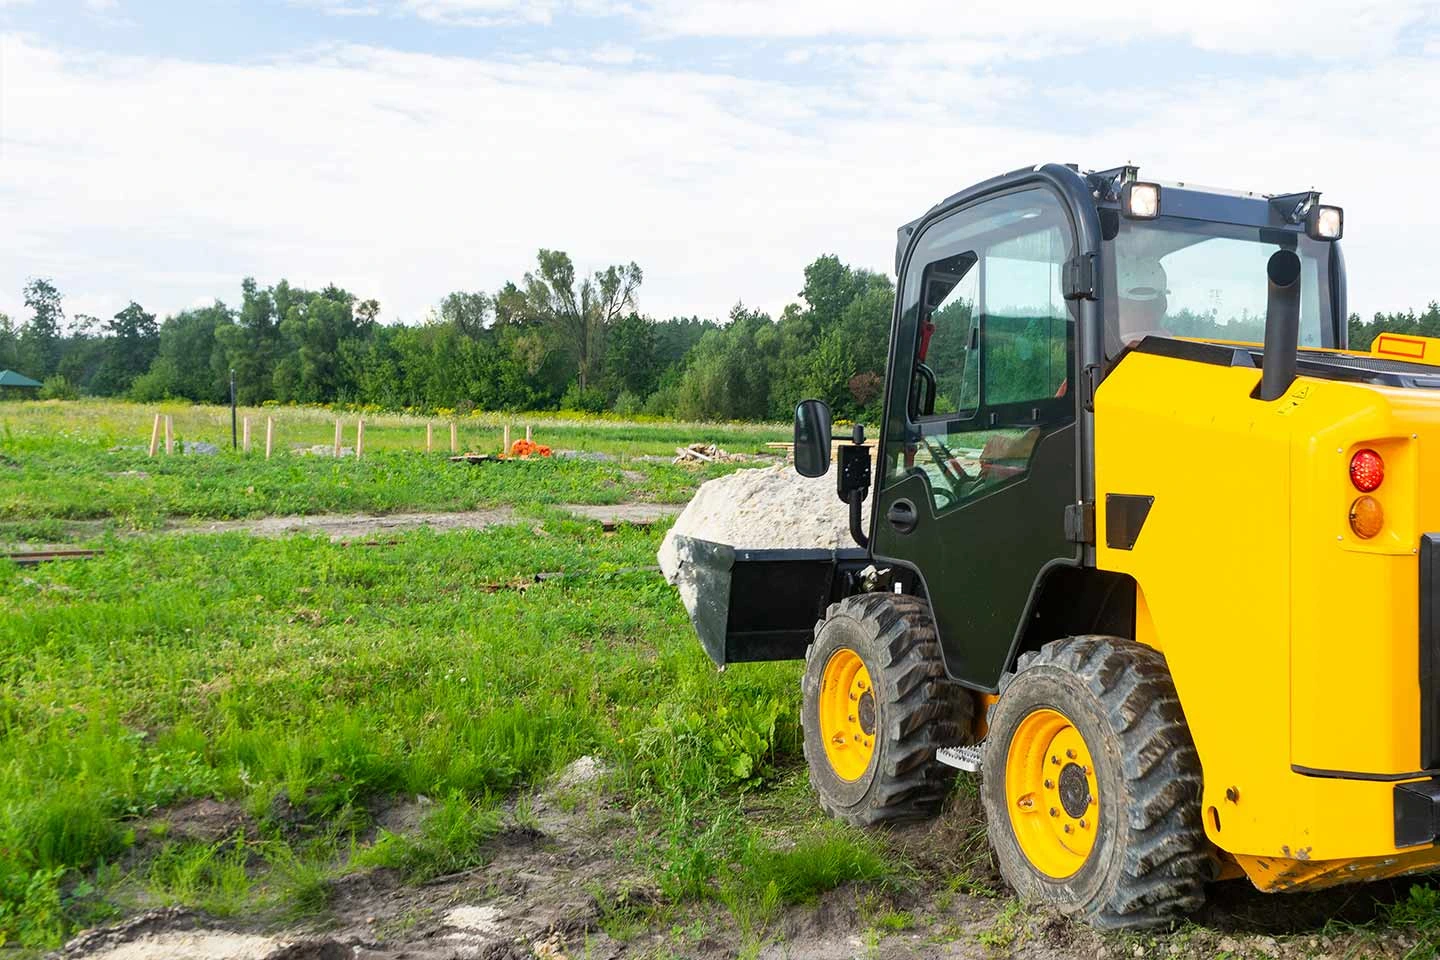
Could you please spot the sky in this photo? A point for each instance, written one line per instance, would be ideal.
(162, 150)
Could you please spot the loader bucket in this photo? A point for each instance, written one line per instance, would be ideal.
(754, 605)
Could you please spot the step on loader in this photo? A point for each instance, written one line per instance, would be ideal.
(1149, 552)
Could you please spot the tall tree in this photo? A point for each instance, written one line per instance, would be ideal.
(9, 344)
(631, 364)
(367, 314)
(469, 312)
(40, 340)
(252, 346)
(132, 343)
(577, 317)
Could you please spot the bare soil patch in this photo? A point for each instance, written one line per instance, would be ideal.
(559, 885)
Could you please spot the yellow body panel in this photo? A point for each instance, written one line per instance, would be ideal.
(1293, 643)
(1278, 874)
(1400, 346)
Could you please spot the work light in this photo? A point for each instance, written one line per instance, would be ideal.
(1324, 223)
(1140, 200)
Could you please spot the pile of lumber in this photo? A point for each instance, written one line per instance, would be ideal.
(704, 453)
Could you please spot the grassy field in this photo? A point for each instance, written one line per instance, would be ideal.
(306, 680)
(88, 461)
(302, 691)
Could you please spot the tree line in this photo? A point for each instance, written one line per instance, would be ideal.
(554, 340)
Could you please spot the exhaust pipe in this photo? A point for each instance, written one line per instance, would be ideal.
(1282, 324)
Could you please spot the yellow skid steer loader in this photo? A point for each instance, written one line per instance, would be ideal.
(1149, 551)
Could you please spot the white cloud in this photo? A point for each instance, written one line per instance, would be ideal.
(405, 176)
(995, 29)
(616, 55)
(1338, 28)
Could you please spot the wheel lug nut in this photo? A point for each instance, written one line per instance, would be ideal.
(1070, 754)
(1083, 824)
(1055, 760)
(1054, 812)
(1049, 784)
(1067, 828)
(852, 718)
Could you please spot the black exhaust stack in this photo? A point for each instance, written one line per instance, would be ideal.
(1282, 325)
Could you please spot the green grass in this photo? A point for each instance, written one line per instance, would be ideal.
(305, 679)
(44, 481)
(303, 682)
(451, 838)
(114, 422)
(63, 464)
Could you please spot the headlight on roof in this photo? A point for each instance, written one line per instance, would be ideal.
(1324, 223)
(1140, 200)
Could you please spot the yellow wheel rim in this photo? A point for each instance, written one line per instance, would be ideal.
(849, 714)
(1050, 793)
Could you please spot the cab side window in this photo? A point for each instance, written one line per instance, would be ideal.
(994, 346)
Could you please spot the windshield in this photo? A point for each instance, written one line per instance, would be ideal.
(1189, 278)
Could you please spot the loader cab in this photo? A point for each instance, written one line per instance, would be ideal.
(1015, 299)
(1182, 277)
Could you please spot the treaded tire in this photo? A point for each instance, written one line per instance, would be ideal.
(918, 710)
(1151, 860)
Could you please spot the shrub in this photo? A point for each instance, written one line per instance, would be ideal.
(56, 387)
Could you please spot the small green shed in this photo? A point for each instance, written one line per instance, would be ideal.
(14, 384)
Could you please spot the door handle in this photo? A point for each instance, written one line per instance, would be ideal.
(902, 515)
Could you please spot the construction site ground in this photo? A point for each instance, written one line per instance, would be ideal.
(408, 708)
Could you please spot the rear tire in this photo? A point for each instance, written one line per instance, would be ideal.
(877, 705)
(1098, 812)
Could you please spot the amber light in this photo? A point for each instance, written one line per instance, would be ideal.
(1367, 471)
(1366, 517)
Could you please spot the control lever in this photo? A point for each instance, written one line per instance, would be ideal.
(852, 481)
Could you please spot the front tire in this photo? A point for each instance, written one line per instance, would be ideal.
(877, 705)
(1092, 785)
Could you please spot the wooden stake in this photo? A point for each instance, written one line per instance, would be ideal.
(339, 436)
(359, 438)
(269, 435)
(155, 436)
(169, 436)
(527, 433)
(454, 438)
(245, 435)
(429, 438)
(505, 444)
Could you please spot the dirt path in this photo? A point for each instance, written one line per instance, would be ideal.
(341, 526)
(346, 526)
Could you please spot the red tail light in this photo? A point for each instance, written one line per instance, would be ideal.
(1367, 471)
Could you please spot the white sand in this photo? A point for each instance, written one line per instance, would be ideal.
(770, 507)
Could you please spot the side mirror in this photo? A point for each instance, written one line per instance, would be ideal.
(812, 438)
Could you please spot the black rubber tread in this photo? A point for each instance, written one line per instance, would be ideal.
(920, 710)
(1158, 860)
